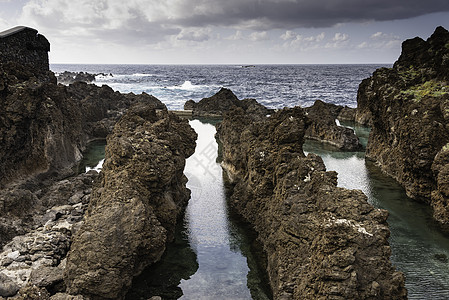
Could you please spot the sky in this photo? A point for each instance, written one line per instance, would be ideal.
(226, 31)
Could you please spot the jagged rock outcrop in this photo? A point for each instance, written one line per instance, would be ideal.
(321, 241)
(409, 107)
(223, 101)
(44, 127)
(324, 128)
(40, 129)
(67, 77)
(134, 209)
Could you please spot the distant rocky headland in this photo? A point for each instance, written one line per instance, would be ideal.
(66, 235)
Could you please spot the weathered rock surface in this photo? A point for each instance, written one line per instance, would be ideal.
(23, 207)
(321, 241)
(67, 77)
(323, 126)
(44, 126)
(37, 258)
(134, 209)
(223, 101)
(43, 129)
(409, 107)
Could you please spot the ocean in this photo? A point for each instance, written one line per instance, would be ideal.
(275, 86)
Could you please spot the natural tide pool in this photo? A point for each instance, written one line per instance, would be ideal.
(213, 256)
(213, 253)
(419, 248)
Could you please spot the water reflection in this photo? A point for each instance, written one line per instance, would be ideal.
(222, 269)
(214, 254)
(163, 278)
(419, 248)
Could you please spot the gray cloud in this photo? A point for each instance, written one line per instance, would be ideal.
(271, 14)
(152, 21)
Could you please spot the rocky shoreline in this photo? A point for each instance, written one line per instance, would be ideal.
(408, 108)
(85, 236)
(135, 205)
(322, 115)
(320, 240)
(45, 126)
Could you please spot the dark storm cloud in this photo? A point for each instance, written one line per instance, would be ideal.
(302, 13)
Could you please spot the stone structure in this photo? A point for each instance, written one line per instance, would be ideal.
(25, 46)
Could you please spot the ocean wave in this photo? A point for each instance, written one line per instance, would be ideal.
(143, 75)
(97, 168)
(187, 85)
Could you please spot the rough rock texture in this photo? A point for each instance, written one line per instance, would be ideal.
(321, 241)
(221, 102)
(25, 46)
(133, 212)
(409, 105)
(37, 258)
(44, 126)
(72, 77)
(43, 129)
(324, 128)
(23, 207)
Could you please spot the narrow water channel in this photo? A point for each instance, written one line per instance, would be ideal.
(212, 256)
(223, 269)
(419, 248)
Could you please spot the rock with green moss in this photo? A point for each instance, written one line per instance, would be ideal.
(408, 108)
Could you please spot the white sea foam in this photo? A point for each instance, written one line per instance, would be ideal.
(143, 75)
(187, 86)
(97, 167)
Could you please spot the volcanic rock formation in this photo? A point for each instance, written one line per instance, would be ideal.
(409, 110)
(323, 126)
(321, 241)
(134, 210)
(223, 101)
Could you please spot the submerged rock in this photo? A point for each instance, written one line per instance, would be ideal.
(320, 241)
(409, 106)
(134, 209)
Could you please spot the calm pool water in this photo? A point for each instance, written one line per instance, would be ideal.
(213, 255)
(419, 248)
(93, 156)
